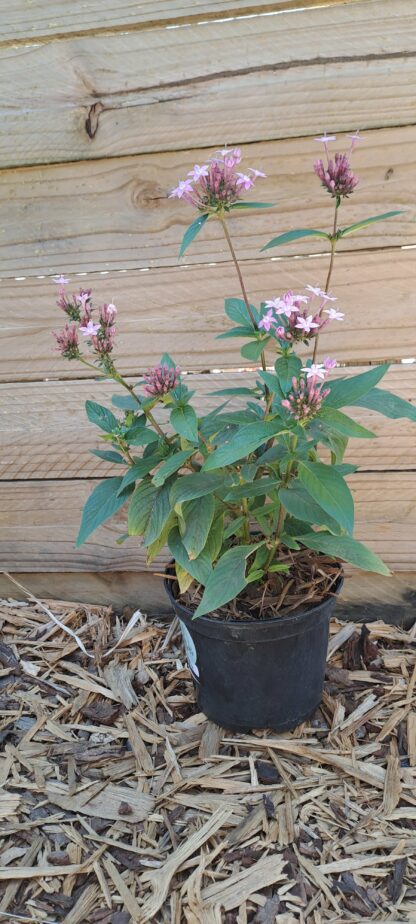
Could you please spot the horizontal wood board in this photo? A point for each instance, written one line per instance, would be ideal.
(51, 18)
(271, 77)
(182, 308)
(116, 214)
(45, 433)
(39, 522)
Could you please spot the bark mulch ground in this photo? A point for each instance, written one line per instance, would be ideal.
(120, 802)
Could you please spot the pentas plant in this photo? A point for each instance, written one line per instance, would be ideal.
(240, 493)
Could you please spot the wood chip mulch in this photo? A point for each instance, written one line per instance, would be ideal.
(120, 802)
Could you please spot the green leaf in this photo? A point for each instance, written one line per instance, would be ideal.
(108, 455)
(185, 422)
(235, 391)
(329, 490)
(172, 465)
(254, 349)
(184, 578)
(191, 486)
(236, 310)
(200, 567)
(241, 444)
(287, 367)
(191, 233)
(382, 401)
(227, 579)
(125, 402)
(338, 421)
(101, 504)
(141, 506)
(256, 488)
(289, 236)
(368, 221)
(253, 205)
(159, 514)
(101, 416)
(141, 436)
(233, 527)
(198, 515)
(347, 549)
(301, 505)
(140, 469)
(167, 360)
(344, 392)
(155, 547)
(235, 332)
(272, 382)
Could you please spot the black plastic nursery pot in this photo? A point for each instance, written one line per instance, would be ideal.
(258, 673)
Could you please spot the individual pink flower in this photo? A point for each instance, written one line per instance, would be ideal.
(182, 191)
(83, 298)
(315, 371)
(334, 315)
(161, 379)
(326, 138)
(306, 324)
(330, 363)
(67, 341)
(244, 180)
(198, 171)
(89, 329)
(257, 173)
(61, 280)
(268, 320)
(354, 138)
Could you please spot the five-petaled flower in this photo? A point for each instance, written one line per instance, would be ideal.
(89, 329)
(315, 371)
(334, 315)
(306, 324)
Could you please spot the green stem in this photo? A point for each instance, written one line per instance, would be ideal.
(241, 281)
(330, 268)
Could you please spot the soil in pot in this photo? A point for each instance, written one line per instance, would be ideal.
(253, 668)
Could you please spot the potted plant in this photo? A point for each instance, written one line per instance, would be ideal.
(251, 501)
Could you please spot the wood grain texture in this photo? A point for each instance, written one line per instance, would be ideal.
(182, 307)
(45, 434)
(51, 18)
(115, 214)
(39, 522)
(364, 597)
(109, 95)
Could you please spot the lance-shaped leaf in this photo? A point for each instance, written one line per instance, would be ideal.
(172, 465)
(200, 568)
(341, 423)
(346, 548)
(344, 392)
(301, 505)
(227, 579)
(125, 402)
(246, 440)
(290, 236)
(287, 368)
(101, 504)
(141, 506)
(196, 485)
(101, 416)
(198, 515)
(328, 488)
(140, 469)
(108, 455)
(382, 401)
(254, 349)
(253, 205)
(191, 233)
(367, 221)
(236, 310)
(185, 422)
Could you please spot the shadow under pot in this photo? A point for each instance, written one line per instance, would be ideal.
(262, 673)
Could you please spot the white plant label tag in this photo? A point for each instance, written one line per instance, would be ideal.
(190, 649)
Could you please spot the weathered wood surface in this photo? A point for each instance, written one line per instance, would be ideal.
(115, 214)
(44, 431)
(51, 18)
(183, 307)
(39, 522)
(364, 596)
(110, 96)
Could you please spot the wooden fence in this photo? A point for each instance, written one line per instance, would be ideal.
(105, 106)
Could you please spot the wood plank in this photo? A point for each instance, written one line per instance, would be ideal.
(182, 307)
(46, 434)
(47, 19)
(110, 97)
(39, 521)
(115, 214)
(363, 598)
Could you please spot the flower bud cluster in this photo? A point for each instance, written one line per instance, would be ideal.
(216, 185)
(309, 391)
(161, 379)
(336, 175)
(99, 335)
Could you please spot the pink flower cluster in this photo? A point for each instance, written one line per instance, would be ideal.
(217, 185)
(79, 309)
(290, 322)
(308, 392)
(336, 175)
(161, 379)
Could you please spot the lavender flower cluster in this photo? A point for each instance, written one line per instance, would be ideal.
(216, 185)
